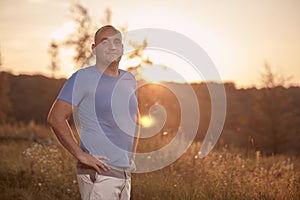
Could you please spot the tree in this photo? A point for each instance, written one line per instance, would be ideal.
(81, 40)
(138, 53)
(5, 103)
(270, 79)
(271, 114)
(107, 17)
(54, 57)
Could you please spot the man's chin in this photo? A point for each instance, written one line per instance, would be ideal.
(115, 60)
(112, 63)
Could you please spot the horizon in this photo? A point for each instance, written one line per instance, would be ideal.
(224, 82)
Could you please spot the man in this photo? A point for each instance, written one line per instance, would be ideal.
(102, 99)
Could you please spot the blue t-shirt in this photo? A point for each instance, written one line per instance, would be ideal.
(106, 109)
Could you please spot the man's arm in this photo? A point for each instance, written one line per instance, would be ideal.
(58, 117)
(136, 135)
(135, 143)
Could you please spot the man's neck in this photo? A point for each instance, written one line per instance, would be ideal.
(111, 70)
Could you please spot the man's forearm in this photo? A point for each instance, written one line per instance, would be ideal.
(134, 149)
(135, 141)
(66, 137)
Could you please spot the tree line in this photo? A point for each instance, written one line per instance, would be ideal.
(265, 119)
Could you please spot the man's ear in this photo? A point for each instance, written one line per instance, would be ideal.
(93, 49)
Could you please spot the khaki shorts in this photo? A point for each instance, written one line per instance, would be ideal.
(114, 184)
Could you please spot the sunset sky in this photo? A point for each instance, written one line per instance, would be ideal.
(238, 35)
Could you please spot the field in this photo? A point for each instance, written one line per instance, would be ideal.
(36, 167)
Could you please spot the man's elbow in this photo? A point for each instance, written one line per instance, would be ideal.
(55, 118)
(51, 119)
(59, 113)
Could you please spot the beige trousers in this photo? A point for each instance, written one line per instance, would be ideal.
(115, 185)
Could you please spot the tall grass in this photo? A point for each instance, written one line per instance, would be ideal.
(43, 170)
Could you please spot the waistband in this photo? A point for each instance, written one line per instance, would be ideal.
(116, 172)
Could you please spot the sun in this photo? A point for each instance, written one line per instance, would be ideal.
(145, 121)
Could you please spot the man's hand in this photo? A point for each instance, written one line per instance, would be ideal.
(132, 166)
(93, 161)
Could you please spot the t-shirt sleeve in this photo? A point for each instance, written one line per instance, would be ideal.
(66, 93)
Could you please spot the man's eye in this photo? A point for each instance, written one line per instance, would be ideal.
(117, 42)
(104, 42)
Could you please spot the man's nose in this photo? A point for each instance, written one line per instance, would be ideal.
(112, 45)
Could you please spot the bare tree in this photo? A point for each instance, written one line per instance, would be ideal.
(54, 57)
(107, 20)
(272, 117)
(138, 53)
(107, 17)
(270, 79)
(81, 39)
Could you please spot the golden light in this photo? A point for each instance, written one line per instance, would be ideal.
(152, 73)
(145, 121)
(167, 67)
(65, 30)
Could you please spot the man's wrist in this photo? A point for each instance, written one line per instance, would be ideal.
(132, 166)
(80, 154)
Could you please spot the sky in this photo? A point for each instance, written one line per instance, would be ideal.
(239, 36)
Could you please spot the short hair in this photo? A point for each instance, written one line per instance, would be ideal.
(103, 27)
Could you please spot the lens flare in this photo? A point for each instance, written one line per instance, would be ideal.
(145, 121)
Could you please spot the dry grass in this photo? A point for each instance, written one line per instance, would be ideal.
(46, 171)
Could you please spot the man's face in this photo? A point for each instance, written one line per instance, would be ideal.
(108, 46)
